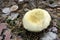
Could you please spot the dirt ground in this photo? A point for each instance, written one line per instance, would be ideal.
(16, 26)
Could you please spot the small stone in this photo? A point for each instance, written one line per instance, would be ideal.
(2, 26)
(49, 36)
(58, 9)
(52, 35)
(53, 5)
(14, 8)
(25, 5)
(13, 16)
(7, 34)
(49, 9)
(20, 0)
(26, 9)
(6, 10)
(53, 29)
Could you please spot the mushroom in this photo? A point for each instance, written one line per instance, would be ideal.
(36, 20)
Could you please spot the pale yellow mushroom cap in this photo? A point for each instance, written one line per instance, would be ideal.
(36, 20)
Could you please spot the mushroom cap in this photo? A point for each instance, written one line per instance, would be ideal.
(36, 20)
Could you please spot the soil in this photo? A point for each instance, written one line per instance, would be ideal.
(16, 26)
